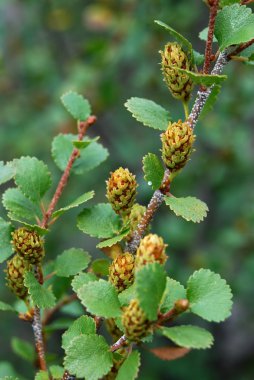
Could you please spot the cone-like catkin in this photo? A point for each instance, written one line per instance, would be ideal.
(16, 268)
(177, 143)
(121, 190)
(179, 84)
(135, 217)
(135, 323)
(121, 271)
(28, 244)
(151, 250)
(113, 330)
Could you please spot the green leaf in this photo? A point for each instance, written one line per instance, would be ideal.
(83, 144)
(82, 279)
(76, 105)
(234, 25)
(150, 282)
(5, 240)
(79, 201)
(100, 298)
(130, 367)
(71, 261)
(153, 170)
(209, 295)
(188, 336)
(204, 34)
(83, 325)
(32, 177)
(42, 375)
(224, 3)
(89, 158)
(203, 79)
(178, 36)
(41, 297)
(211, 100)
(114, 240)
(198, 58)
(6, 307)
(101, 267)
(99, 221)
(19, 206)
(92, 350)
(23, 349)
(56, 371)
(189, 208)
(127, 295)
(148, 113)
(174, 291)
(7, 172)
(35, 227)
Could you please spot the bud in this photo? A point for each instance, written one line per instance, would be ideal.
(121, 271)
(179, 84)
(135, 323)
(181, 305)
(151, 250)
(16, 268)
(177, 143)
(28, 244)
(121, 190)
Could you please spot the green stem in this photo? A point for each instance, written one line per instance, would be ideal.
(186, 108)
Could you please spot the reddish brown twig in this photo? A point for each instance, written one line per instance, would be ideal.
(241, 47)
(209, 42)
(65, 301)
(63, 181)
(180, 307)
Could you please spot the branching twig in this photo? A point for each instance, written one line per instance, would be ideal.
(121, 341)
(241, 47)
(209, 42)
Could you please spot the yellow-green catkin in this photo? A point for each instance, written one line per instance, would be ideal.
(121, 271)
(135, 323)
(151, 250)
(177, 143)
(173, 58)
(121, 190)
(16, 268)
(28, 244)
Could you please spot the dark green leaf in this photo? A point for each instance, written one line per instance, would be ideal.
(203, 79)
(72, 261)
(76, 105)
(148, 113)
(88, 356)
(6, 307)
(101, 267)
(150, 282)
(89, 158)
(23, 349)
(188, 336)
(83, 325)
(41, 297)
(114, 240)
(19, 206)
(99, 221)
(130, 367)
(234, 25)
(5, 240)
(32, 177)
(174, 291)
(153, 170)
(209, 295)
(56, 371)
(100, 298)
(189, 208)
(79, 201)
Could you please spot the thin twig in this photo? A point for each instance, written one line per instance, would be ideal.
(65, 301)
(209, 42)
(241, 47)
(63, 181)
(39, 344)
(121, 341)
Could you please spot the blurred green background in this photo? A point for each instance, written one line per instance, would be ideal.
(108, 51)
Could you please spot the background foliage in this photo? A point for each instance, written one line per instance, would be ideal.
(108, 50)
